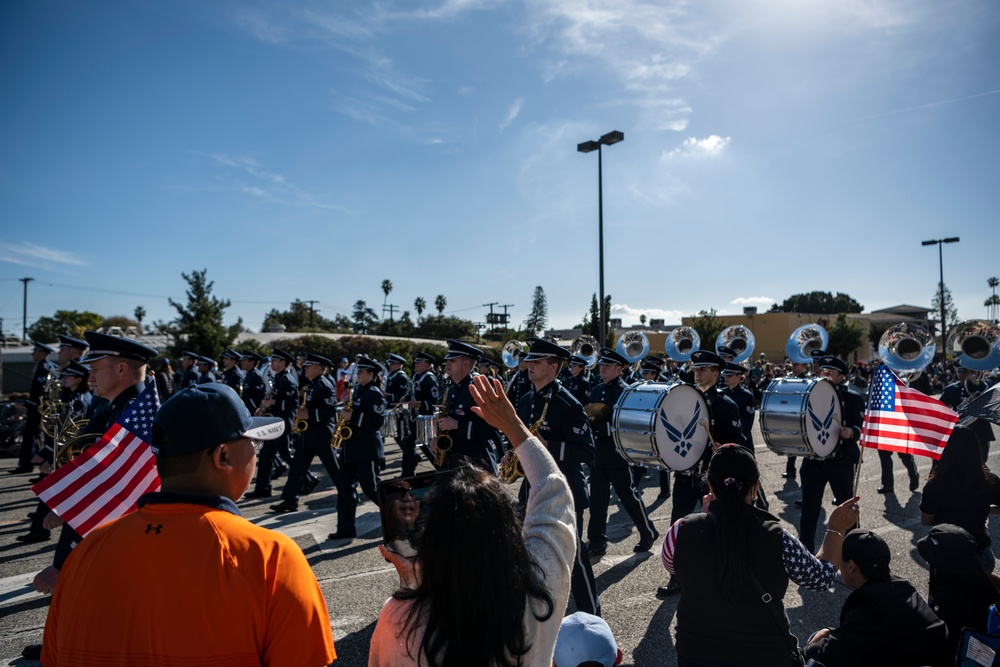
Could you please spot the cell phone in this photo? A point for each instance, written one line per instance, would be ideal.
(404, 512)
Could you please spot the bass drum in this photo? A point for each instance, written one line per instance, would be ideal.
(801, 417)
(661, 424)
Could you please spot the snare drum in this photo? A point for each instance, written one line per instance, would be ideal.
(390, 427)
(427, 429)
(662, 425)
(801, 417)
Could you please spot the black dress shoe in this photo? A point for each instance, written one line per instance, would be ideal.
(914, 483)
(258, 494)
(597, 549)
(32, 537)
(673, 587)
(788, 474)
(342, 535)
(285, 506)
(646, 543)
(32, 652)
(886, 489)
(309, 485)
(20, 470)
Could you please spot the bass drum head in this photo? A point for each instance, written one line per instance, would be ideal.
(681, 428)
(823, 418)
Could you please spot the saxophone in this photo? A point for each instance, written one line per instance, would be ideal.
(342, 431)
(510, 466)
(261, 411)
(444, 442)
(301, 424)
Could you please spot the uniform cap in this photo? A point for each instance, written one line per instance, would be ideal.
(206, 415)
(545, 349)
(317, 360)
(703, 358)
(39, 347)
(369, 363)
(610, 356)
(726, 350)
(103, 345)
(76, 343)
(425, 357)
(833, 363)
(733, 369)
(578, 360)
(232, 354)
(249, 354)
(281, 354)
(205, 360)
(77, 369)
(395, 359)
(459, 349)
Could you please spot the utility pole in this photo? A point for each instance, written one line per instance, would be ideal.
(392, 308)
(506, 317)
(312, 311)
(24, 327)
(490, 318)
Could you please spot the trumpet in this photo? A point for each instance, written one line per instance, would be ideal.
(301, 424)
(510, 465)
(342, 431)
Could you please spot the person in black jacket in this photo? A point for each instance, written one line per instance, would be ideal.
(188, 375)
(610, 469)
(254, 385)
(957, 392)
(32, 438)
(425, 395)
(284, 401)
(838, 468)
(363, 450)
(578, 383)
(232, 374)
(471, 436)
(559, 421)
(884, 621)
(320, 417)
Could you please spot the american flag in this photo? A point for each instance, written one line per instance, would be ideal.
(900, 419)
(106, 480)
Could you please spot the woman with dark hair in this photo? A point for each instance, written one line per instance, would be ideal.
(734, 557)
(961, 490)
(484, 589)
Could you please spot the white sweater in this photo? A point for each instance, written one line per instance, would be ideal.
(550, 537)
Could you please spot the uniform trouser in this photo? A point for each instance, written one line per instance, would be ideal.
(37, 519)
(265, 463)
(815, 475)
(688, 491)
(408, 445)
(300, 466)
(885, 459)
(32, 428)
(601, 481)
(790, 465)
(664, 482)
(351, 474)
(582, 585)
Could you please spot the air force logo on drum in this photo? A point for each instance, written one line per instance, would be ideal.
(822, 426)
(683, 439)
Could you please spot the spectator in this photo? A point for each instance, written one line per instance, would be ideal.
(586, 640)
(185, 579)
(512, 581)
(728, 559)
(961, 490)
(884, 621)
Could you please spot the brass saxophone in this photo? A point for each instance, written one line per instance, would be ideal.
(444, 442)
(511, 470)
(301, 424)
(261, 411)
(342, 431)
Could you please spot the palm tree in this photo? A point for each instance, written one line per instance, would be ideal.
(140, 314)
(440, 303)
(419, 305)
(386, 288)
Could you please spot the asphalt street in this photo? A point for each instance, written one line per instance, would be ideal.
(356, 580)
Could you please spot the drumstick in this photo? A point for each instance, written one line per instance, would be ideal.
(704, 424)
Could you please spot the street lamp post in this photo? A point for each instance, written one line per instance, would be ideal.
(944, 324)
(608, 139)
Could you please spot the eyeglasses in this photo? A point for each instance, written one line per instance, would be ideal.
(257, 444)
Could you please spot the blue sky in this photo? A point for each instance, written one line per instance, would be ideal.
(311, 150)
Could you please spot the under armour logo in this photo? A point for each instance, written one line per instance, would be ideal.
(150, 527)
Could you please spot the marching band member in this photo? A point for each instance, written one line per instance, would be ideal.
(254, 384)
(33, 420)
(471, 435)
(560, 423)
(319, 414)
(800, 371)
(363, 450)
(610, 469)
(283, 403)
(838, 468)
(189, 376)
(956, 392)
(422, 401)
(205, 366)
(578, 383)
(232, 374)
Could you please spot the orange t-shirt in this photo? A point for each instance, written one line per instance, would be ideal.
(180, 583)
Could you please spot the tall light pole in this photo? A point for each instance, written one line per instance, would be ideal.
(608, 139)
(944, 324)
(24, 327)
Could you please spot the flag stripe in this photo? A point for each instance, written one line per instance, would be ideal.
(107, 479)
(901, 419)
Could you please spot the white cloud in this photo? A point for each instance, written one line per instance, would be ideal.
(267, 185)
(31, 254)
(753, 301)
(512, 113)
(693, 147)
(630, 315)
